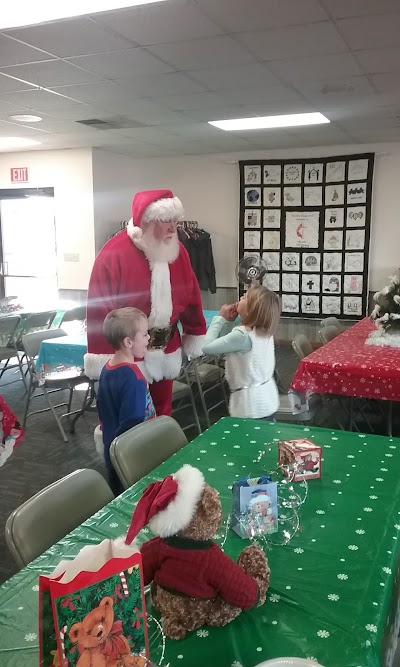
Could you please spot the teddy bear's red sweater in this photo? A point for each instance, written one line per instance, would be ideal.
(198, 570)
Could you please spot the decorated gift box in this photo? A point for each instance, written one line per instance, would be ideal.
(255, 506)
(301, 459)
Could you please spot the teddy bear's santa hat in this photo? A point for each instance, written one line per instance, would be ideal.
(168, 507)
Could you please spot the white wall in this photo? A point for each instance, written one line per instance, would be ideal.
(209, 188)
(69, 172)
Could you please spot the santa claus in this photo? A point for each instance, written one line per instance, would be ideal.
(146, 267)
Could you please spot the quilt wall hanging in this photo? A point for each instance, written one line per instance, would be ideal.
(310, 221)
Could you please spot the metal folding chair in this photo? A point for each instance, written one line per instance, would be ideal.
(183, 397)
(328, 333)
(52, 513)
(51, 383)
(207, 375)
(332, 321)
(74, 318)
(8, 348)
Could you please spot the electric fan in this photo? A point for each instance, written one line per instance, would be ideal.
(251, 269)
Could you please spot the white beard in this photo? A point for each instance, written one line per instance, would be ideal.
(158, 251)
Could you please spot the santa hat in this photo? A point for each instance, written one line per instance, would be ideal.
(168, 507)
(153, 206)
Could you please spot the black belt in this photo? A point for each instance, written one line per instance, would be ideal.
(160, 336)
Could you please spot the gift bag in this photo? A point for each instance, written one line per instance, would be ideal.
(255, 506)
(92, 610)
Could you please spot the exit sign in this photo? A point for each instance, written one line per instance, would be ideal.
(19, 174)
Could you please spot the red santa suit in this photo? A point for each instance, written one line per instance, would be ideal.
(126, 272)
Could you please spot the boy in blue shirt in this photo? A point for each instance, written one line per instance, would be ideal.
(123, 398)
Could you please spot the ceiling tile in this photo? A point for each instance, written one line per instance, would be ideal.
(235, 15)
(194, 131)
(174, 83)
(261, 95)
(344, 8)
(10, 129)
(160, 23)
(244, 76)
(40, 100)
(95, 93)
(332, 90)
(10, 85)
(125, 63)
(203, 53)
(313, 39)
(50, 73)
(376, 61)
(204, 115)
(370, 32)
(325, 67)
(386, 82)
(208, 100)
(70, 38)
(15, 53)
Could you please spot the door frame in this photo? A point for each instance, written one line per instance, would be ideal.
(17, 193)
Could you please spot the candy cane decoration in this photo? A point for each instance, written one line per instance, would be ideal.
(62, 641)
(124, 584)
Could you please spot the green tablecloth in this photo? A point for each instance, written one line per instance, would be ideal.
(331, 595)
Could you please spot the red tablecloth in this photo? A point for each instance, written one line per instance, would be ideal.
(348, 366)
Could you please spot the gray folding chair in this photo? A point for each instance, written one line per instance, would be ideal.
(35, 322)
(183, 398)
(74, 319)
(302, 346)
(54, 512)
(332, 321)
(8, 348)
(138, 451)
(328, 333)
(285, 412)
(51, 383)
(207, 375)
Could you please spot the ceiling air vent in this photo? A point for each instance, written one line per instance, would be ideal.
(117, 124)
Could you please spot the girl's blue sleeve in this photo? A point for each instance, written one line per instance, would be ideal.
(237, 340)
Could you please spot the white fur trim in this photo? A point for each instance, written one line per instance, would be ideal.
(98, 441)
(179, 513)
(164, 210)
(160, 365)
(161, 296)
(94, 364)
(193, 345)
(134, 233)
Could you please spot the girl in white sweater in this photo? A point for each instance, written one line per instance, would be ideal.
(250, 352)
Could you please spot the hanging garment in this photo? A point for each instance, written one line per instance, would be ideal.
(198, 244)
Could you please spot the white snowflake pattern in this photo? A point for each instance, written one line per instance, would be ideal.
(211, 470)
(235, 425)
(373, 497)
(337, 481)
(236, 446)
(145, 530)
(274, 597)
(203, 451)
(396, 525)
(350, 456)
(113, 525)
(320, 512)
(383, 469)
(378, 479)
(213, 442)
(360, 531)
(202, 633)
(324, 634)
(353, 547)
(333, 597)
(30, 637)
(387, 570)
(311, 657)
(236, 663)
(35, 588)
(367, 509)
(392, 446)
(230, 463)
(299, 550)
(342, 577)
(371, 628)
(389, 456)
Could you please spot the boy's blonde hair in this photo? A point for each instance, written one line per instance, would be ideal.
(122, 323)
(263, 310)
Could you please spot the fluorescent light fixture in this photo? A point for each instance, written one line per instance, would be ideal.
(7, 143)
(268, 122)
(25, 118)
(26, 12)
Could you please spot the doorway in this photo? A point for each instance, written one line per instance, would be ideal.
(28, 253)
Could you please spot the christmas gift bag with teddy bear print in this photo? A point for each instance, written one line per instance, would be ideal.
(92, 610)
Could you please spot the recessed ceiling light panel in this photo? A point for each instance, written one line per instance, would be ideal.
(270, 122)
(26, 12)
(8, 143)
(25, 118)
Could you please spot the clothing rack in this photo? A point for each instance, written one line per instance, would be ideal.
(187, 224)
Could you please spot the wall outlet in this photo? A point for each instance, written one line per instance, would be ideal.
(71, 257)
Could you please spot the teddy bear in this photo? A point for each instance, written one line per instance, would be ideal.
(193, 582)
(100, 639)
(386, 312)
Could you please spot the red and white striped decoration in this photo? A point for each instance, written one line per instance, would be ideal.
(124, 584)
(62, 641)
